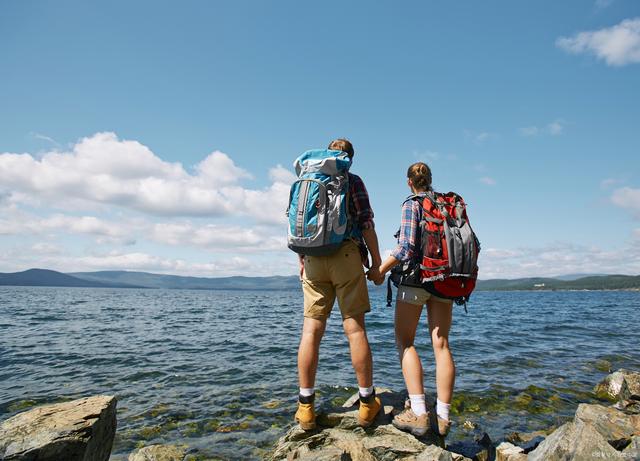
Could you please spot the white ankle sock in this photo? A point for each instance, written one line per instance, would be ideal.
(418, 404)
(442, 409)
(366, 391)
(307, 391)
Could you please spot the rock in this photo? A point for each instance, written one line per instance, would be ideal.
(479, 447)
(574, 441)
(632, 451)
(509, 452)
(630, 407)
(615, 426)
(159, 453)
(339, 437)
(621, 385)
(82, 429)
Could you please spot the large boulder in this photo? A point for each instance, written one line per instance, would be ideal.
(621, 385)
(159, 453)
(79, 430)
(574, 441)
(615, 426)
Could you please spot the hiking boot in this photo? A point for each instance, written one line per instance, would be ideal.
(443, 426)
(408, 421)
(306, 415)
(369, 408)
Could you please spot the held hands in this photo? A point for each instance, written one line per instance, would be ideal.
(375, 276)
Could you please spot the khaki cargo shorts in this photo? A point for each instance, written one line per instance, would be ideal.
(418, 296)
(338, 275)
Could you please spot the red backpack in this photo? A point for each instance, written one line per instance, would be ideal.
(447, 264)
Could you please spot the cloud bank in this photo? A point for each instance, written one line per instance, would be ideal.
(103, 169)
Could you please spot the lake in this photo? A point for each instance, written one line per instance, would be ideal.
(216, 370)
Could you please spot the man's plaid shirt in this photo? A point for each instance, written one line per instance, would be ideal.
(360, 212)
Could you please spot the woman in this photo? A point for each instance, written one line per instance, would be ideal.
(409, 303)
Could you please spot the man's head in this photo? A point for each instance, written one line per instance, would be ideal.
(342, 144)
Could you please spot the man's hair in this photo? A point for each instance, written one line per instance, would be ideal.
(420, 175)
(342, 144)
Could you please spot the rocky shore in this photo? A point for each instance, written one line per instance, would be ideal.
(84, 429)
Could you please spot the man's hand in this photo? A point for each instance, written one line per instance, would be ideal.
(375, 276)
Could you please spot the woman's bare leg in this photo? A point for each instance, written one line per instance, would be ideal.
(439, 317)
(406, 323)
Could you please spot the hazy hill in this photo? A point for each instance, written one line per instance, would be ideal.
(126, 279)
(45, 277)
(149, 280)
(596, 282)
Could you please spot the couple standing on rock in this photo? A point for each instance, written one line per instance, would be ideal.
(341, 275)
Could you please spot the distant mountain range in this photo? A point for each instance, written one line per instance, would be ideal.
(126, 279)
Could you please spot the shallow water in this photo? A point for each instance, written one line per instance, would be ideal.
(217, 370)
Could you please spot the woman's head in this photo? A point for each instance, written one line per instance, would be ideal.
(342, 144)
(419, 175)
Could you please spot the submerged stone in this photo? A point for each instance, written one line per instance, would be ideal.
(159, 453)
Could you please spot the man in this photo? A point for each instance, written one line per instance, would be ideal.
(340, 275)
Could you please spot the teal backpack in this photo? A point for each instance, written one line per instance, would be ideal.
(318, 203)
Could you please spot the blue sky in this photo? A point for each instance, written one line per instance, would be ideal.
(159, 136)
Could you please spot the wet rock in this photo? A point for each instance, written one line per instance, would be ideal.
(478, 447)
(81, 429)
(434, 453)
(574, 441)
(630, 407)
(621, 385)
(615, 426)
(159, 453)
(632, 451)
(509, 452)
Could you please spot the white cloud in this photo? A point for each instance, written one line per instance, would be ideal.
(16, 222)
(554, 128)
(617, 45)
(46, 138)
(627, 197)
(601, 4)
(488, 181)
(609, 182)
(482, 136)
(216, 237)
(529, 131)
(106, 170)
(479, 137)
(559, 259)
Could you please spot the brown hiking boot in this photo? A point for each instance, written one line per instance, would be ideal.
(369, 408)
(408, 421)
(306, 415)
(443, 426)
